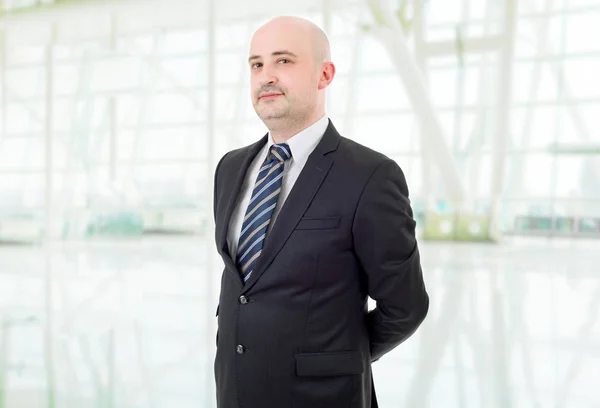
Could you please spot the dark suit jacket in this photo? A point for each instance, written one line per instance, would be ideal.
(298, 333)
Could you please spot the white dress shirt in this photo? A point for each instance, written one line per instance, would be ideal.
(302, 145)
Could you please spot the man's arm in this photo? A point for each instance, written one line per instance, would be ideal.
(385, 244)
(215, 182)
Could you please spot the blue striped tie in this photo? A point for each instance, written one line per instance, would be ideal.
(260, 209)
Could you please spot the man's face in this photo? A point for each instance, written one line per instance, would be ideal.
(283, 75)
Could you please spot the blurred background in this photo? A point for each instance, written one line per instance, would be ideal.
(114, 114)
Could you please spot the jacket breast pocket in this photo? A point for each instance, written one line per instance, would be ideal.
(321, 223)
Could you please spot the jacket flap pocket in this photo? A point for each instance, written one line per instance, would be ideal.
(319, 223)
(329, 364)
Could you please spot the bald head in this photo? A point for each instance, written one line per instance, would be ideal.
(300, 29)
(290, 67)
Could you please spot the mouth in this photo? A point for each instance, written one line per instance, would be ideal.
(269, 95)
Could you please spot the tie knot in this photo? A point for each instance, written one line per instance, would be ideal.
(281, 151)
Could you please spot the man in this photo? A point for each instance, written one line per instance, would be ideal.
(309, 225)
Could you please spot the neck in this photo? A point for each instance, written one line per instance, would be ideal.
(283, 131)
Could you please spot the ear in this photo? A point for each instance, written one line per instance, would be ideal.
(327, 74)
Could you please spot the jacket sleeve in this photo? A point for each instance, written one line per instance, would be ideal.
(386, 246)
(215, 186)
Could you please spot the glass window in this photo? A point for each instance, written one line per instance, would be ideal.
(231, 67)
(483, 168)
(168, 143)
(390, 134)
(26, 82)
(534, 81)
(539, 36)
(66, 78)
(127, 144)
(24, 118)
(21, 190)
(112, 74)
(471, 132)
(581, 77)
(27, 33)
(342, 55)
(25, 54)
(579, 4)
(230, 103)
(168, 73)
(235, 35)
(86, 26)
(530, 174)
(586, 117)
(439, 12)
(375, 56)
(569, 176)
(21, 152)
(174, 107)
(182, 42)
(473, 87)
(381, 93)
(249, 132)
(534, 127)
(63, 152)
(443, 86)
(580, 29)
(128, 108)
(337, 96)
(343, 22)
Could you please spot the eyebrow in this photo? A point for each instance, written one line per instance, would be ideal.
(274, 53)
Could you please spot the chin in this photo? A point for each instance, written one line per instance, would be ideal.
(270, 114)
(270, 117)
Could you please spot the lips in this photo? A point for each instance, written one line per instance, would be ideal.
(269, 95)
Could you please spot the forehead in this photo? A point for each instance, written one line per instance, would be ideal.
(273, 39)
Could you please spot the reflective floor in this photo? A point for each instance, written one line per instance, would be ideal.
(130, 324)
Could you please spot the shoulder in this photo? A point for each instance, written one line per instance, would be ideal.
(360, 158)
(233, 156)
(367, 167)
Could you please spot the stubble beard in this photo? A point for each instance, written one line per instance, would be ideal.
(280, 117)
(272, 113)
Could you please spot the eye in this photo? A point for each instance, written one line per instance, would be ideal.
(284, 59)
(256, 65)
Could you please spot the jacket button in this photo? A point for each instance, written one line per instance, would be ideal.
(243, 300)
(240, 349)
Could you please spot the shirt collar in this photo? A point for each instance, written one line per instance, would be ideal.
(303, 143)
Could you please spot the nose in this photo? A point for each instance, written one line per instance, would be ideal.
(267, 76)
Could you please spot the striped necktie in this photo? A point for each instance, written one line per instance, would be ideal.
(260, 209)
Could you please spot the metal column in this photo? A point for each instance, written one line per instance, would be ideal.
(500, 141)
(48, 142)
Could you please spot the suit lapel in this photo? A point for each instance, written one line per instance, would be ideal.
(235, 180)
(312, 176)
